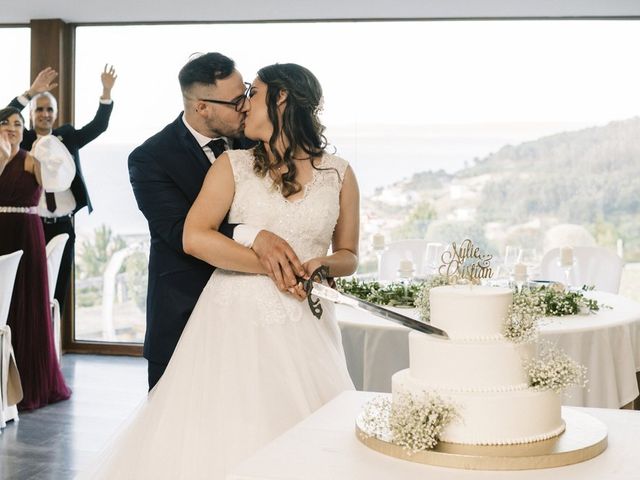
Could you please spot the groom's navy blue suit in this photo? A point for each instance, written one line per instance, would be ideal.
(166, 173)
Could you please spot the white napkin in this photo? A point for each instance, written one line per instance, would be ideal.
(57, 166)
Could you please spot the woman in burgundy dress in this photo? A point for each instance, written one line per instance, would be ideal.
(21, 229)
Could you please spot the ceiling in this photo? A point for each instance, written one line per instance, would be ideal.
(125, 11)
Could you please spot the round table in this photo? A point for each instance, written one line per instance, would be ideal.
(606, 342)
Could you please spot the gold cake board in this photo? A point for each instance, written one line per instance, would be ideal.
(584, 438)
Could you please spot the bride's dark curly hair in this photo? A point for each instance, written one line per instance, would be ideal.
(300, 123)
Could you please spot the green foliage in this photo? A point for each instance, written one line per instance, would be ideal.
(589, 177)
(94, 255)
(88, 297)
(135, 267)
(393, 294)
(445, 231)
(558, 302)
(417, 222)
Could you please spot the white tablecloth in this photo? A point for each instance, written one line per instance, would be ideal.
(607, 343)
(324, 447)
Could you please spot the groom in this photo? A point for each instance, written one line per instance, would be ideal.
(166, 173)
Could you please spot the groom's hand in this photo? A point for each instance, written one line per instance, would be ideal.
(278, 259)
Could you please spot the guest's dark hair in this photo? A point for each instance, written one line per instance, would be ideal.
(300, 123)
(205, 68)
(8, 111)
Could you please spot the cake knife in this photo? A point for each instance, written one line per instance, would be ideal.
(319, 290)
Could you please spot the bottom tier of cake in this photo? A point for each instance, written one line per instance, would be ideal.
(493, 418)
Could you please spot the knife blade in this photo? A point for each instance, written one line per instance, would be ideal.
(323, 291)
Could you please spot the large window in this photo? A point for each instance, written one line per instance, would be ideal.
(497, 130)
(16, 60)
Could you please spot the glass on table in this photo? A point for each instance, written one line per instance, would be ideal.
(531, 259)
(504, 271)
(433, 258)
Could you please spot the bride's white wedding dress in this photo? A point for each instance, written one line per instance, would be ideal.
(252, 361)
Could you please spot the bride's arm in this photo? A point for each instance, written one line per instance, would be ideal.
(344, 259)
(201, 238)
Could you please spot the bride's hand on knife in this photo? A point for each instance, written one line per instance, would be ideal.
(278, 259)
(309, 267)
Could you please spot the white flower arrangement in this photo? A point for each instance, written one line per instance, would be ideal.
(412, 422)
(521, 324)
(529, 305)
(554, 370)
(422, 299)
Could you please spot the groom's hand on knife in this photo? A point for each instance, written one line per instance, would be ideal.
(278, 258)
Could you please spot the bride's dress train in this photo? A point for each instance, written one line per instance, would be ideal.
(252, 361)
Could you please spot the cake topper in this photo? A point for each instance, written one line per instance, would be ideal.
(465, 263)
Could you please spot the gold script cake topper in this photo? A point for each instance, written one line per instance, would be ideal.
(466, 262)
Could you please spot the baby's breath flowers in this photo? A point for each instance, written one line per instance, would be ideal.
(554, 370)
(522, 318)
(422, 299)
(416, 422)
(413, 422)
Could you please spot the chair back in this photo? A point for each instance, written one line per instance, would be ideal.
(567, 235)
(413, 250)
(596, 266)
(55, 248)
(8, 269)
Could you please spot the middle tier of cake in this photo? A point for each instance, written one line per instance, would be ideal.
(489, 365)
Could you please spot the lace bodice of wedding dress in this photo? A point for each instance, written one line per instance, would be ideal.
(306, 223)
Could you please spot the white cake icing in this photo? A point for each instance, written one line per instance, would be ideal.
(493, 418)
(478, 371)
(480, 365)
(470, 312)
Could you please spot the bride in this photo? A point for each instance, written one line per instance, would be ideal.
(252, 361)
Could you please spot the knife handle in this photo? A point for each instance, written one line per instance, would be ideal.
(318, 275)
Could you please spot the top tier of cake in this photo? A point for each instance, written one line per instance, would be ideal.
(470, 312)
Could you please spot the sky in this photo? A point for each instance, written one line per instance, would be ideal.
(402, 73)
(395, 73)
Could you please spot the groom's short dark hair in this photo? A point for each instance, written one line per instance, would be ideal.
(205, 68)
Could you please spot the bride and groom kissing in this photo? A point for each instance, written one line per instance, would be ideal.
(235, 356)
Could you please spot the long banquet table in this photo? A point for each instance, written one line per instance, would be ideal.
(324, 447)
(606, 342)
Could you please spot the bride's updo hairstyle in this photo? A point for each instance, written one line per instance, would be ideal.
(300, 127)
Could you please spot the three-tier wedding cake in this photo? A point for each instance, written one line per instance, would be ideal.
(479, 371)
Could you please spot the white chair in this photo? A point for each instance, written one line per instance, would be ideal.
(567, 235)
(413, 250)
(9, 397)
(55, 248)
(596, 266)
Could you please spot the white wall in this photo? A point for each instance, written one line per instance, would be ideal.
(101, 11)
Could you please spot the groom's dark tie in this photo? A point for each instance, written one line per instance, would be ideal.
(217, 146)
(50, 198)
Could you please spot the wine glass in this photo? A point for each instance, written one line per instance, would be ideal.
(520, 276)
(511, 253)
(531, 258)
(378, 246)
(566, 261)
(405, 274)
(432, 257)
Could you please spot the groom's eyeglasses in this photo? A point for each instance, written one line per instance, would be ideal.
(238, 102)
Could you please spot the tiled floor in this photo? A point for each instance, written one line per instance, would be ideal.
(54, 442)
